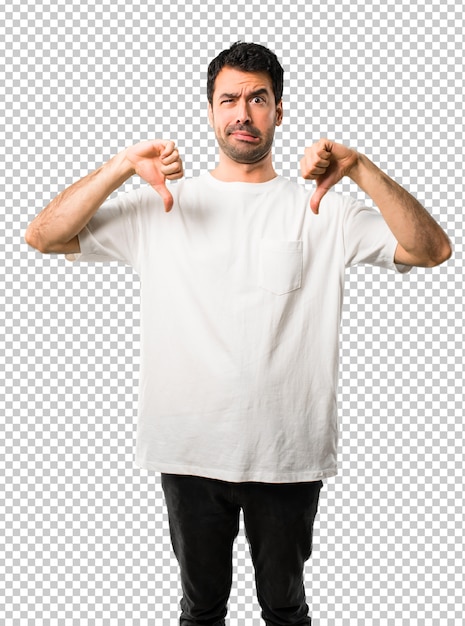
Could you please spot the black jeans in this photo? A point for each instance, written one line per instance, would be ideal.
(204, 521)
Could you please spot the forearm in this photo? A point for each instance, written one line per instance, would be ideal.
(65, 217)
(419, 235)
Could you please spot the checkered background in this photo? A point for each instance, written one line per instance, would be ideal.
(84, 537)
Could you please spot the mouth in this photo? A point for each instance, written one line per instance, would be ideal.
(242, 135)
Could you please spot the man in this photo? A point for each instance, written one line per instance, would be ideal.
(242, 285)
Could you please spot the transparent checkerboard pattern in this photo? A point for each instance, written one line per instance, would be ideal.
(84, 534)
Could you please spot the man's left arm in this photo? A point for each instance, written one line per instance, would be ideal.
(421, 241)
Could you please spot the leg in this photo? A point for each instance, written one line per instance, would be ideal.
(279, 525)
(203, 526)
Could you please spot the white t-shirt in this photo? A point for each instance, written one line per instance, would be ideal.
(241, 298)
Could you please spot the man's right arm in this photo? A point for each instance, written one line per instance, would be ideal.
(56, 228)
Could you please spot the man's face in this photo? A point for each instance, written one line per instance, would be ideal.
(244, 114)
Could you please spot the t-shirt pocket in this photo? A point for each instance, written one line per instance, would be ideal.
(280, 268)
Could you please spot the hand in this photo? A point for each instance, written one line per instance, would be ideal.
(326, 162)
(155, 161)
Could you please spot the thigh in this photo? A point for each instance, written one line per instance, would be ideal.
(279, 526)
(203, 526)
(279, 517)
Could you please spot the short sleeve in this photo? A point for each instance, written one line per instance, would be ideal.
(368, 239)
(114, 232)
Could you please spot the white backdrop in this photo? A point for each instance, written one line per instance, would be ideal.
(83, 533)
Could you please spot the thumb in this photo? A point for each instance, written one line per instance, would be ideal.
(320, 191)
(165, 195)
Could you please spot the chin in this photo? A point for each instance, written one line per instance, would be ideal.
(248, 157)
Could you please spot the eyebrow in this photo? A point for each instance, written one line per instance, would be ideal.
(253, 94)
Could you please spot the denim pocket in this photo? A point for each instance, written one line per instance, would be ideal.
(280, 265)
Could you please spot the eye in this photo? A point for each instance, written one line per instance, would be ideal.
(258, 100)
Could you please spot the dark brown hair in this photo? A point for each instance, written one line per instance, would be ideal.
(248, 57)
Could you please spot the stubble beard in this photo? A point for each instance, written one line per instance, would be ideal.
(242, 152)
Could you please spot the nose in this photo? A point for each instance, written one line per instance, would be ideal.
(242, 113)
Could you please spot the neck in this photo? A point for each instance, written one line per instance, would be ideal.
(230, 171)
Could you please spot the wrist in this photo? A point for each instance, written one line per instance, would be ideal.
(123, 165)
(358, 168)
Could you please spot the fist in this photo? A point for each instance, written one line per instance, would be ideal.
(155, 162)
(326, 162)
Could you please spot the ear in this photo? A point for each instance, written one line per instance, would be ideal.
(279, 113)
(210, 115)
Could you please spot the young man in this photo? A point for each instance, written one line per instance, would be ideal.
(242, 285)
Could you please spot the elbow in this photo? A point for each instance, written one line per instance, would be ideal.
(32, 240)
(446, 252)
(29, 238)
(442, 255)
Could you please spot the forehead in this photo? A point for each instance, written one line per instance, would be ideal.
(232, 80)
